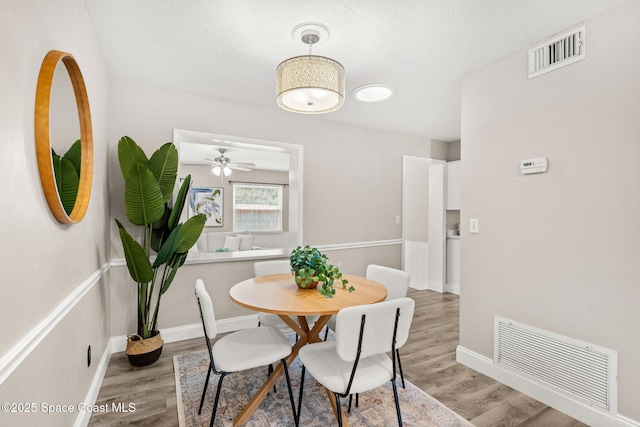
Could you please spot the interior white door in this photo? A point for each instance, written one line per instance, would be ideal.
(423, 222)
(415, 213)
(437, 225)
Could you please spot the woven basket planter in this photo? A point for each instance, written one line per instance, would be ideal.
(143, 352)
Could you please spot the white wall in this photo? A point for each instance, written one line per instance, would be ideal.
(558, 251)
(44, 263)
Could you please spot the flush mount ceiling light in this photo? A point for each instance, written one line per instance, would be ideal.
(374, 92)
(310, 84)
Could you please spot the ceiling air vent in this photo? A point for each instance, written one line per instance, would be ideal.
(557, 52)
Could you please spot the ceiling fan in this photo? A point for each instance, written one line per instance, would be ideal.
(222, 165)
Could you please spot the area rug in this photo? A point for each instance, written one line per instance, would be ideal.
(376, 407)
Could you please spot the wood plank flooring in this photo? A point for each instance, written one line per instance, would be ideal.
(428, 360)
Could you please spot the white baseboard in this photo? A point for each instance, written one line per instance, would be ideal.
(421, 286)
(187, 332)
(169, 335)
(452, 288)
(92, 395)
(573, 408)
(436, 286)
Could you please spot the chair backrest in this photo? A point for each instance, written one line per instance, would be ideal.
(206, 310)
(380, 320)
(265, 268)
(396, 281)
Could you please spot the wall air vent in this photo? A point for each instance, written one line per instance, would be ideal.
(557, 52)
(578, 370)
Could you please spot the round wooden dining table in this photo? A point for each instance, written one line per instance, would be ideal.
(279, 294)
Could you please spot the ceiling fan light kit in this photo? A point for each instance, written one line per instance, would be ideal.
(310, 84)
(217, 170)
(222, 165)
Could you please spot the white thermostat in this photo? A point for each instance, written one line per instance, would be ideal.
(538, 165)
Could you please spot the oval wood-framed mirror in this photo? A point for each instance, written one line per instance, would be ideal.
(52, 65)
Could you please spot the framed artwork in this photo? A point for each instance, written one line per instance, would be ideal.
(209, 201)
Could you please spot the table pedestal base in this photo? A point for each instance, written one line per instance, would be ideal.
(305, 336)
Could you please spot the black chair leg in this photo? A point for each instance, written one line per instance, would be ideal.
(204, 390)
(400, 366)
(215, 402)
(326, 333)
(300, 395)
(395, 398)
(351, 398)
(293, 405)
(338, 409)
(269, 372)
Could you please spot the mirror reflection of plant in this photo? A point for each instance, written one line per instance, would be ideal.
(66, 169)
(309, 265)
(149, 184)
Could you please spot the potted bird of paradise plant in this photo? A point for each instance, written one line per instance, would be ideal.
(149, 185)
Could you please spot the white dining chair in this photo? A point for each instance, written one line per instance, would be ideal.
(265, 268)
(397, 284)
(357, 361)
(240, 350)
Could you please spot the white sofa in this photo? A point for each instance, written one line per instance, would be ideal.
(216, 240)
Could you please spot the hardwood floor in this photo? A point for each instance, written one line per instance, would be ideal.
(428, 360)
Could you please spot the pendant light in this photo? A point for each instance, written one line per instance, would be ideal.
(310, 84)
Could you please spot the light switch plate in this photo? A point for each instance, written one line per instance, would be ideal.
(474, 226)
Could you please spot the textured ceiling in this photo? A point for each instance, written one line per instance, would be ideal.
(228, 50)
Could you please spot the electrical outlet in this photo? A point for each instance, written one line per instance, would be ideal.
(474, 226)
(397, 219)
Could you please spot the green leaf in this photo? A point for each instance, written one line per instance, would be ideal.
(177, 262)
(67, 182)
(178, 205)
(164, 219)
(143, 200)
(164, 166)
(74, 155)
(137, 262)
(129, 153)
(190, 232)
(158, 237)
(168, 248)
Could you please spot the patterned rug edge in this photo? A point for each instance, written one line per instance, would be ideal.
(182, 412)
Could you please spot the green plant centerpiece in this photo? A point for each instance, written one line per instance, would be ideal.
(148, 188)
(311, 268)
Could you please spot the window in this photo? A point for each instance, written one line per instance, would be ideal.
(257, 207)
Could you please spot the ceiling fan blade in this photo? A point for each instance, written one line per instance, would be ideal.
(240, 168)
(245, 164)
